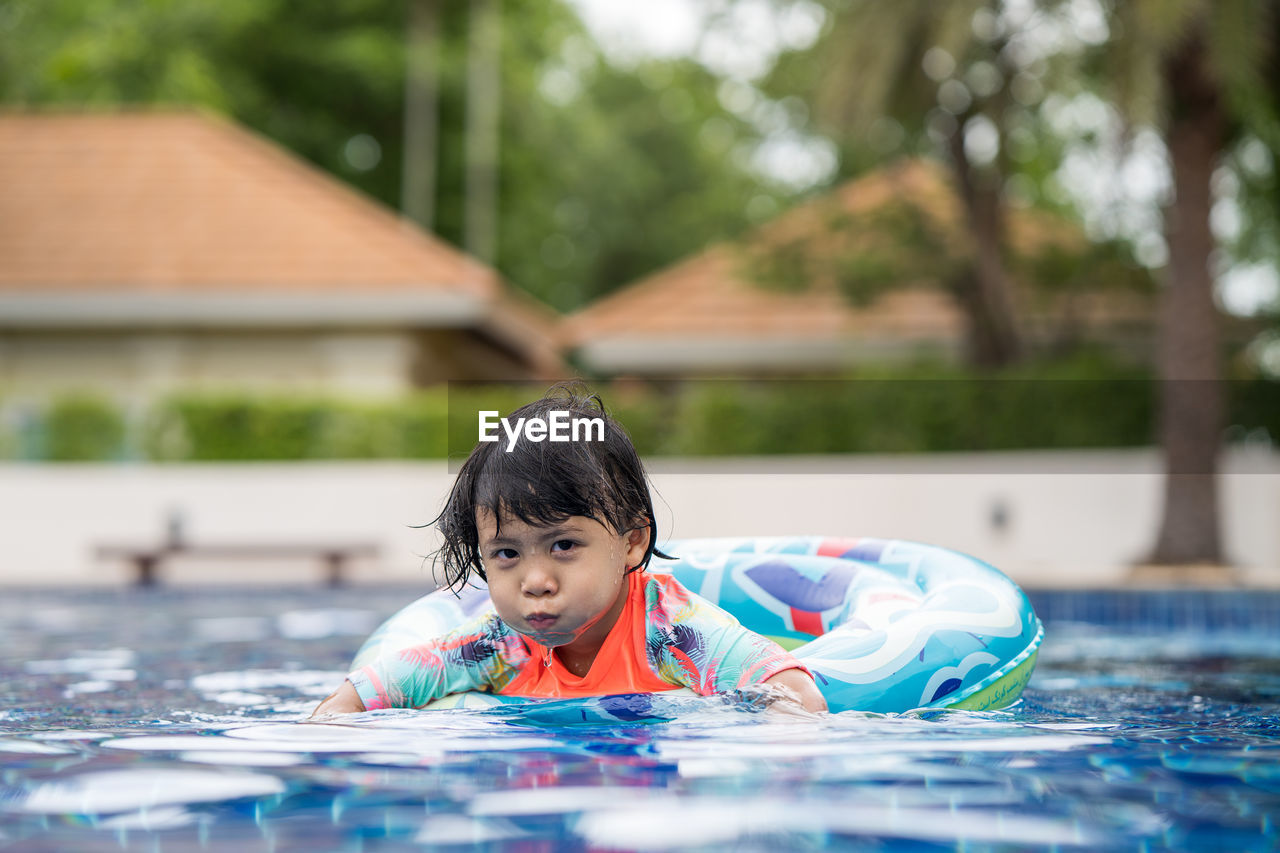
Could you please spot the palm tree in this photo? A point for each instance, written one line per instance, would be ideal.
(1196, 69)
(905, 59)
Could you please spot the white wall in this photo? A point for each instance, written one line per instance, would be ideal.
(1072, 518)
(140, 365)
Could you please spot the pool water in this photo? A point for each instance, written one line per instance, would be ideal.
(168, 720)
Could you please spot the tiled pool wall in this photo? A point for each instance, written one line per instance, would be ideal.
(1209, 610)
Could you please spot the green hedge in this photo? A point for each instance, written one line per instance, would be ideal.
(231, 428)
(82, 427)
(906, 415)
(1079, 404)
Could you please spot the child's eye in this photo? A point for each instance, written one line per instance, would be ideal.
(564, 545)
(505, 554)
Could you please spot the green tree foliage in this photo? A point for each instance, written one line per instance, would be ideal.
(637, 169)
(917, 76)
(605, 172)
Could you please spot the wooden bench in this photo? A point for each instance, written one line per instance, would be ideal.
(147, 559)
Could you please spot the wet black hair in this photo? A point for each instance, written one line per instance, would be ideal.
(545, 482)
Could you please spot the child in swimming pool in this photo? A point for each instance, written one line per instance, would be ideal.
(562, 531)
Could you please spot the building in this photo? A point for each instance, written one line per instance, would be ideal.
(717, 313)
(142, 253)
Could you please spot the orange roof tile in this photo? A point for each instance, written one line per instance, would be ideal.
(710, 297)
(187, 203)
(711, 294)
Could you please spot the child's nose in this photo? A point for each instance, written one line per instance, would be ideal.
(539, 581)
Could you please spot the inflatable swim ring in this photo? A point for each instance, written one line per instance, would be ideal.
(884, 625)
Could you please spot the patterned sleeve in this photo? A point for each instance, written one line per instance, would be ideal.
(482, 654)
(694, 643)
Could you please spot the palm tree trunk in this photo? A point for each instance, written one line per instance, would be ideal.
(1192, 408)
(484, 91)
(421, 124)
(993, 330)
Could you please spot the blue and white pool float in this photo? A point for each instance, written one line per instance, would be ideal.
(884, 625)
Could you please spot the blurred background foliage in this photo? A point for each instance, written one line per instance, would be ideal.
(606, 172)
(1087, 401)
(610, 169)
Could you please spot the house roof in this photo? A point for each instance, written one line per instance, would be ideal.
(143, 218)
(707, 313)
(702, 314)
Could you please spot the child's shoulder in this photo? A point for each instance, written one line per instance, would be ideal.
(659, 586)
(666, 595)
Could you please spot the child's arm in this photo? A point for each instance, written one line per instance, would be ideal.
(480, 655)
(799, 683)
(344, 700)
(699, 645)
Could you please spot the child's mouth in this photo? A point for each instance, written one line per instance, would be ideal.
(541, 621)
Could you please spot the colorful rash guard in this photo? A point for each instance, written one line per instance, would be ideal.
(666, 637)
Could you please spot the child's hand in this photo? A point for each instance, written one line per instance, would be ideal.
(344, 700)
(798, 685)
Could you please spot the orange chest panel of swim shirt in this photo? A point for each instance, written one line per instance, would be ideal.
(621, 665)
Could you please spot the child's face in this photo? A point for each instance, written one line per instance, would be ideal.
(561, 585)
